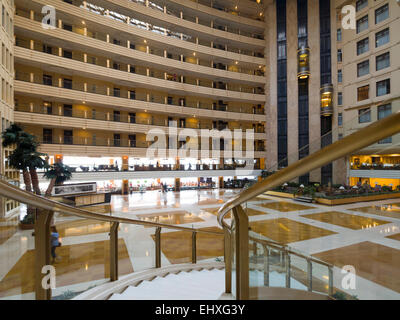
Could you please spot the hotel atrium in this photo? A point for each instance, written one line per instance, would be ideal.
(230, 149)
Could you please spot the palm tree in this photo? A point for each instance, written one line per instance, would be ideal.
(36, 162)
(24, 143)
(57, 173)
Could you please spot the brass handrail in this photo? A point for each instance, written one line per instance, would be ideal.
(9, 191)
(360, 139)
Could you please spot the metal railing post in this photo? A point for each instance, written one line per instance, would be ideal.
(228, 260)
(266, 266)
(287, 266)
(42, 251)
(194, 247)
(114, 251)
(158, 247)
(309, 275)
(242, 253)
(330, 286)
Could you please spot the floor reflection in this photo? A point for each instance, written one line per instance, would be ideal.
(346, 220)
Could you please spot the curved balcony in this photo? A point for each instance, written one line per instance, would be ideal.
(77, 95)
(326, 100)
(184, 19)
(303, 63)
(138, 31)
(126, 55)
(159, 81)
(106, 121)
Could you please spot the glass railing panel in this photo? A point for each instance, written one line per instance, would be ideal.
(137, 245)
(176, 246)
(17, 254)
(256, 264)
(210, 247)
(82, 260)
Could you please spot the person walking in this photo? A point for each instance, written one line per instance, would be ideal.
(55, 242)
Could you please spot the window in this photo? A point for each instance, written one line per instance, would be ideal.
(362, 24)
(132, 117)
(362, 46)
(132, 95)
(361, 4)
(340, 98)
(47, 136)
(383, 61)
(117, 140)
(67, 110)
(67, 83)
(363, 68)
(47, 107)
(363, 93)
(340, 136)
(47, 49)
(339, 55)
(382, 37)
(384, 111)
(383, 87)
(339, 76)
(67, 27)
(117, 92)
(67, 54)
(364, 115)
(117, 116)
(47, 80)
(340, 119)
(381, 13)
(68, 137)
(339, 34)
(132, 140)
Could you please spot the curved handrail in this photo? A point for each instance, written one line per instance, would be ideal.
(12, 192)
(360, 139)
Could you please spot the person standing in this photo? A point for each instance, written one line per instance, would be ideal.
(55, 242)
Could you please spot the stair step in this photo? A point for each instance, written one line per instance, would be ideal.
(193, 285)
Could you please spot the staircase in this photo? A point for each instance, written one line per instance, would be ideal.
(201, 281)
(202, 284)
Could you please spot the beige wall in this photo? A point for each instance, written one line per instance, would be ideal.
(6, 95)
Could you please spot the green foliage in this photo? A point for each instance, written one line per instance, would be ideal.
(28, 219)
(59, 171)
(25, 154)
(339, 296)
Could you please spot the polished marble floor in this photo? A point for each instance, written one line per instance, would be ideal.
(365, 235)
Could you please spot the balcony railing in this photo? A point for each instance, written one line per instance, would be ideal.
(139, 96)
(119, 118)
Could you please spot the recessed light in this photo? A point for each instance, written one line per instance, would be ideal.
(145, 41)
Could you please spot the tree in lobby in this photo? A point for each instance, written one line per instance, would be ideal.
(57, 173)
(25, 158)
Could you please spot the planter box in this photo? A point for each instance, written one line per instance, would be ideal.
(334, 202)
(280, 194)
